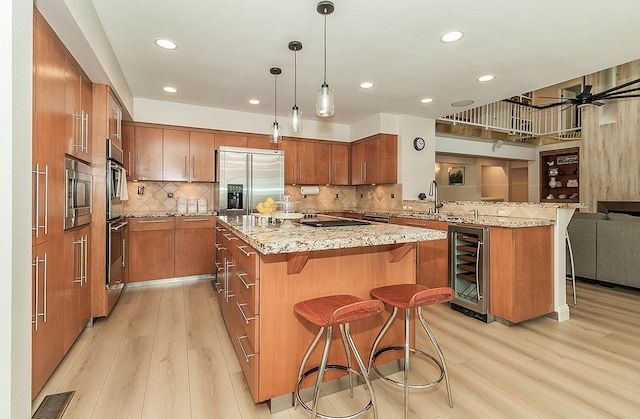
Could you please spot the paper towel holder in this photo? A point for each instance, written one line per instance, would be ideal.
(309, 190)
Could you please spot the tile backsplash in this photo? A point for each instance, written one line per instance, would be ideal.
(155, 199)
(336, 198)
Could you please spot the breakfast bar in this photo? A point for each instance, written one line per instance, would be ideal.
(265, 269)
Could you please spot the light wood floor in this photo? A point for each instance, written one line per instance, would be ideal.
(164, 353)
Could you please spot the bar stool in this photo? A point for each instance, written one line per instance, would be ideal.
(408, 297)
(327, 312)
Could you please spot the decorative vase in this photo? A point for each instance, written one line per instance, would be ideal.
(552, 182)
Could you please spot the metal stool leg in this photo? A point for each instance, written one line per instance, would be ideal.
(348, 354)
(573, 268)
(304, 364)
(365, 374)
(440, 354)
(323, 365)
(381, 335)
(407, 348)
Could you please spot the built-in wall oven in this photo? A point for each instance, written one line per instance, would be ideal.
(77, 191)
(469, 270)
(116, 223)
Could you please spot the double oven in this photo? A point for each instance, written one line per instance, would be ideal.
(116, 223)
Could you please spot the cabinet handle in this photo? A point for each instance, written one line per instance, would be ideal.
(244, 316)
(244, 251)
(244, 353)
(217, 285)
(185, 172)
(220, 247)
(36, 264)
(335, 173)
(78, 133)
(365, 171)
(479, 255)
(86, 128)
(129, 163)
(80, 260)
(218, 268)
(124, 252)
(300, 170)
(151, 221)
(240, 276)
(220, 228)
(193, 167)
(329, 172)
(36, 224)
(226, 236)
(195, 220)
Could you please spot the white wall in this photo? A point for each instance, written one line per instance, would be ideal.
(416, 168)
(154, 111)
(16, 41)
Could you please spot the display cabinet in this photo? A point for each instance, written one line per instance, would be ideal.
(559, 175)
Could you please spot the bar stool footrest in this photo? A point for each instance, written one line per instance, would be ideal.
(413, 351)
(331, 367)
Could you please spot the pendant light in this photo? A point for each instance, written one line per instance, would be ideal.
(275, 136)
(295, 116)
(324, 99)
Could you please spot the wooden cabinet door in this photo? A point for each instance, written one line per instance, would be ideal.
(129, 151)
(387, 159)
(73, 143)
(151, 255)
(175, 155)
(148, 161)
(201, 151)
(339, 164)
(195, 252)
(86, 115)
(321, 160)
(115, 121)
(261, 141)
(290, 148)
(47, 310)
(48, 130)
(230, 140)
(358, 163)
(306, 163)
(77, 296)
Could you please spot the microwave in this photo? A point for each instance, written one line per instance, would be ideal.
(77, 191)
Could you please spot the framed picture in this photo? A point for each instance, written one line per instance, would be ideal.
(456, 176)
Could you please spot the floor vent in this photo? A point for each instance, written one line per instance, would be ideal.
(53, 406)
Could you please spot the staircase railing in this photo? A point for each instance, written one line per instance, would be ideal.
(523, 120)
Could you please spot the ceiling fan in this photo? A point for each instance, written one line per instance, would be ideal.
(586, 98)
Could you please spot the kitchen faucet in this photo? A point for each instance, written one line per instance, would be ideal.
(433, 191)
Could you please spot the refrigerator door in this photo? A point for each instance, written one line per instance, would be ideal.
(233, 181)
(267, 178)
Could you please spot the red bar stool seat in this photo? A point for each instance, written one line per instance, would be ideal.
(409, 297)
(327, 312)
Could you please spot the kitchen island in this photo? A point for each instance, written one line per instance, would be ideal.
(264, 269)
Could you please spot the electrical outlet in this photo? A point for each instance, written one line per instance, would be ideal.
(140, 190)
(169, 195)
(502, 212)
(336, 196)
(393, 196)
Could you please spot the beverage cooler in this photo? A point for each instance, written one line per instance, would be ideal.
(469, 270)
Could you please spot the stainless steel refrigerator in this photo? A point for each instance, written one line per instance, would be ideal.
(246, 176)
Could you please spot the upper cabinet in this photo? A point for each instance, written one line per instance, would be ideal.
(115, 120)
(155, 152)
(559, 175)
(310, 162)
(374, 160)
(76, 117)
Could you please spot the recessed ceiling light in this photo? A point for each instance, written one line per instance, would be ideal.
(254, 101)
(366, 85)
(426, 100)
(170, 89)
(451, 36)
(166, 44)
(462, 103)
(487, 77)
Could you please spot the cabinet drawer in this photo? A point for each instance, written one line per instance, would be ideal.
(246, 256)
(248, 321)
(151, 223)
(249, 358)
(195, 222)
(247, 286)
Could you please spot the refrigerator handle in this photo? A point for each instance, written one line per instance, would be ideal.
(249, 185)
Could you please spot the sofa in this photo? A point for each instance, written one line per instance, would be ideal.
(605, 247)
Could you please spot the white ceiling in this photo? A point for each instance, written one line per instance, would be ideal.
(226, 48)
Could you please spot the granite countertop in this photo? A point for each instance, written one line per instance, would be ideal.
(166, 214)
(273, 239)
(482, 220)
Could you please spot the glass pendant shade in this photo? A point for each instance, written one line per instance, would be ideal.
(275, 136)
(295, 119)
(324, 101)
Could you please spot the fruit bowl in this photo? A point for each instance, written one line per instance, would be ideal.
(266, 210)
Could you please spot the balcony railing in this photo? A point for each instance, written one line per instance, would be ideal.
(523, 120)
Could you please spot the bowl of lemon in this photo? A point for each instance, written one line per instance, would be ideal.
(267, 207)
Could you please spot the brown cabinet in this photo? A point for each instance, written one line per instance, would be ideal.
(374, 160)
(47, 310)
(521, 272)
(201, 152)
(230, 140)
(77, 104)
(148, 153)
(77, 294)
(129, 151)
(167, 247)
(310, 162)
(175, 155)
(194, 246)
(115, 120)
(432, 255)
(339, 166)
(559, 175)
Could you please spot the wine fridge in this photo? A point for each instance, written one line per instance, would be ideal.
(469, 270)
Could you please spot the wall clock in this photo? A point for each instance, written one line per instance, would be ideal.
(418, 143)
